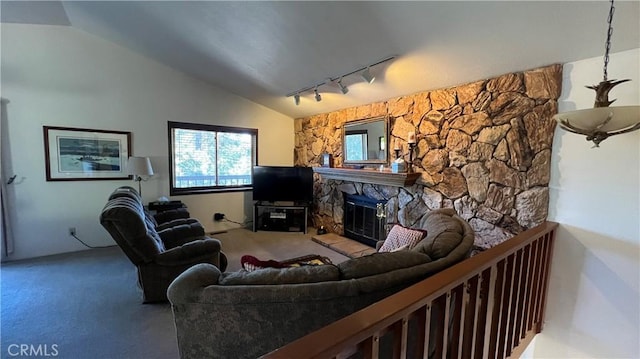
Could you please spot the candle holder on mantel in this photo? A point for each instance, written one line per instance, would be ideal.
(412, 146)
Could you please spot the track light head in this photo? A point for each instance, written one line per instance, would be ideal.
(366, 75)
(364, 72)
(344, 89)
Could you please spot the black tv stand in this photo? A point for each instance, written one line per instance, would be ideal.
(283, 216)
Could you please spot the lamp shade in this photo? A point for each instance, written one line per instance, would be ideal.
(140, 166)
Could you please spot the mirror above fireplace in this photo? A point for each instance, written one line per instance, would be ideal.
(365, 141)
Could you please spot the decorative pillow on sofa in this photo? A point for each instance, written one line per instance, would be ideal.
(400, 237)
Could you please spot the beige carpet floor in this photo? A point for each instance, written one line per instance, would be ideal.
(266, 245)
(87, 303)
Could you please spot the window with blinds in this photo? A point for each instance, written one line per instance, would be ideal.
(207, 158)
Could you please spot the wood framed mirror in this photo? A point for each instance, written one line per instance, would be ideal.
(366, 141)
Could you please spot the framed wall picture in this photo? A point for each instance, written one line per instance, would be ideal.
(77, 154)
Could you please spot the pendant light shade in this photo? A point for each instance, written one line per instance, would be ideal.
(602, 121)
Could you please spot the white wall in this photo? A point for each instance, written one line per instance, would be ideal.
(60, 76)
(593, 308)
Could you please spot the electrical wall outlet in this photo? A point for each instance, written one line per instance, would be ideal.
(218, 216)
(72, 231)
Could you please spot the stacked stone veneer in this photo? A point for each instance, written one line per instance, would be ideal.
(483, 148)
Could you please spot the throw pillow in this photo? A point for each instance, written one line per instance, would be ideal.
(401, 248)
(400, 236)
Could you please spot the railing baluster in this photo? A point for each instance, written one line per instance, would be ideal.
(526, 272)
(493, 310)
(549, 238)
(505, 305)
(405, 338)
(468, 316)
(370, 347)
(534, 284)
(515, 295)
(483, 295)
(537, 285)
(440, 313)
(456, 320)
(427, 331)
(419, 317)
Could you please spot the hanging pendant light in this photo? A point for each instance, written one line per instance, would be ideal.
(602, 121)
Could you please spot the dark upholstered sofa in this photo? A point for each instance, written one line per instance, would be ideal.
(247, 314)
(160, 251)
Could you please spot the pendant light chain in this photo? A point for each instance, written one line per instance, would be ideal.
(608, 43)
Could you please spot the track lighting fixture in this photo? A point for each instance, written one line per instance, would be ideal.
(343, 88)
(365, 73)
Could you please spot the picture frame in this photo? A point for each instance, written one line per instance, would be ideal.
(79, 154)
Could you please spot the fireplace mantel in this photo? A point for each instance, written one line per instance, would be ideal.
(385, 178)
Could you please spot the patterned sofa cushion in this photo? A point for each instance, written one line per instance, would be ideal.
(401, 237)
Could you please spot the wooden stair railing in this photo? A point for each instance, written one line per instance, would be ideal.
(503, 292)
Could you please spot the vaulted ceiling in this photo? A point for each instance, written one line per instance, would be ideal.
(265, 50)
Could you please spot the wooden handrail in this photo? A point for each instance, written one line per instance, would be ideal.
(489, 305)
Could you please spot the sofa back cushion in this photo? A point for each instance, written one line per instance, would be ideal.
(291, 275)
(125, 191)
(124, 218)
(444, 233)
(130, 192)
(377, 263)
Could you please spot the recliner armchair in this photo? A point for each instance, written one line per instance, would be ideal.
(162, 220)
(160, 254)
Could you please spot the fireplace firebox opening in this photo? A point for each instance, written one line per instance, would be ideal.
(364, 219)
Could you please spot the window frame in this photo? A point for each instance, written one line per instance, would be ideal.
(175, 191)
(364, 148)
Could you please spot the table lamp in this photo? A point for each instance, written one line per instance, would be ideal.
(138, 167)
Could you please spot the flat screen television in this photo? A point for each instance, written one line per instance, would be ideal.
(280, 183)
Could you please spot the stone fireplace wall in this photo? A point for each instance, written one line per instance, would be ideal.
(483, 148)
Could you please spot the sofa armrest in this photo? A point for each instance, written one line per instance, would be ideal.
(184, 287)
(196, 251)
(180, 234)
